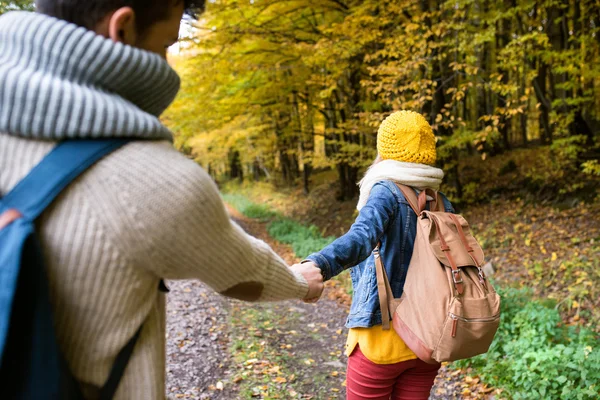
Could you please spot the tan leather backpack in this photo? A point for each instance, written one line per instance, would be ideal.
(448, 310)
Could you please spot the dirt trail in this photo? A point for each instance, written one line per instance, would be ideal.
(224, 349)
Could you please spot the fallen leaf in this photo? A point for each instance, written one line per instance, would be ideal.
(274, 369)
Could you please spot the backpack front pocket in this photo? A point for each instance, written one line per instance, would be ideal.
(466, 337)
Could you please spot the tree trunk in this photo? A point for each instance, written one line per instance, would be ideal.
(235, 166)
(540, 89)
(501, 42)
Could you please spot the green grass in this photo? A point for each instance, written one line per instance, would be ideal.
(304, 240)
(248, 208)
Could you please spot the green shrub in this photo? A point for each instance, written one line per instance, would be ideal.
(472, 193)
(534, 356)
(591, 167)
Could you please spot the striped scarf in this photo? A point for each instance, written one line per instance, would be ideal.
(60, 81)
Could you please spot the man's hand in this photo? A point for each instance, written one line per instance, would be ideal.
(313, 276)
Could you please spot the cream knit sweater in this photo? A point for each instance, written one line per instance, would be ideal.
(143, 213)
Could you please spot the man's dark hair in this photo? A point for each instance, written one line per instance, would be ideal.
(88, 13)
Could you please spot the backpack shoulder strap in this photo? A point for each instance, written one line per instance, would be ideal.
(108, 391)
(32, 195)
(418, 203)
(410, 196)
(439, 202)
(69, 159)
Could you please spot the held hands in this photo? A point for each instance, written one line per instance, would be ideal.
(313, 276)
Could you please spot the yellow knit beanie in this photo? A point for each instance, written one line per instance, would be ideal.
(406, 136)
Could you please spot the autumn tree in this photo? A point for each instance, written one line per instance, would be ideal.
(279, 88)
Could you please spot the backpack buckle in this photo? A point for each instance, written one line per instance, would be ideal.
(456, 277)
(376, 251)
(481, 275)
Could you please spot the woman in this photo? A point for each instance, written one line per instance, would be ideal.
(380, 365)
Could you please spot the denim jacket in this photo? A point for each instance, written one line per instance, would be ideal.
(387, 217)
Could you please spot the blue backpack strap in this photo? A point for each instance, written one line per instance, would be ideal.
(55, 172)
(31, 196)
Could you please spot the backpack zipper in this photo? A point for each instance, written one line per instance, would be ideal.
(456, 318)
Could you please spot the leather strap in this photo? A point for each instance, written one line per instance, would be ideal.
(384, 290)
(469, 249)
(423, 200)
(383, 300)
(418, 204)
(463, 239)
(439, 203)
(410, 196)
(458, 283)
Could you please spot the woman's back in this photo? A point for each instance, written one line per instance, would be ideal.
(380, 364)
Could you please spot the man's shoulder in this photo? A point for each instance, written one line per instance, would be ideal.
(150, 161)
(149, 184)
(148, 153)
(149, 175)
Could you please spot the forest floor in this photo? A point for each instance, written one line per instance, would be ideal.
(225, 349)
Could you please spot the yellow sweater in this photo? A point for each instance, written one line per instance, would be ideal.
(379, 346)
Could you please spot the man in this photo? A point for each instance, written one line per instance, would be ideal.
(93, 69)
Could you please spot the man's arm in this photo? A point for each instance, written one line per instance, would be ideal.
(189, 235)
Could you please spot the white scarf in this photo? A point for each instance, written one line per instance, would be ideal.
(419, 176)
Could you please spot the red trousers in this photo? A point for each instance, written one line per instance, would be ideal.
(407, 380)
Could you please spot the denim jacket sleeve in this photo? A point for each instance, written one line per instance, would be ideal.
(356, 245)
